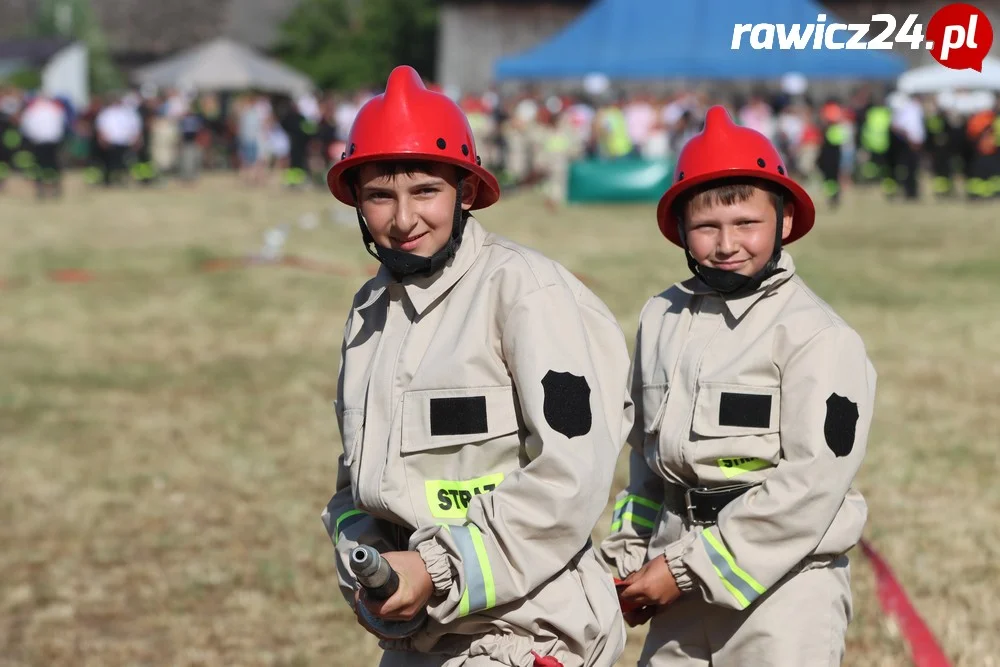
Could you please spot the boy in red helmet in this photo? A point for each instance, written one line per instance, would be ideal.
(482, 403)
(753, 402)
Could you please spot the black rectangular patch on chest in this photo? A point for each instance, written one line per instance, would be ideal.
(464, 415)
(747, 410)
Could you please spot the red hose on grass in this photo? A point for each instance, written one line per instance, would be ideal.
(924, 647)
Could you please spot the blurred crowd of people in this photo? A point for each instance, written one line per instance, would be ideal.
(147, 137)
(531, 139)
(873, 136)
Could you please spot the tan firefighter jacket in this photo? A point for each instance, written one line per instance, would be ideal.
(482, 411)
(772, 389)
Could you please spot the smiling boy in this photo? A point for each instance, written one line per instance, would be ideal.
(482, 403)
(753, 402)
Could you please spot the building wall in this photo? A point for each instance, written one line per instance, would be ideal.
(473, 36)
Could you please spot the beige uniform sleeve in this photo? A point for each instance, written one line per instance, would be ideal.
(569, 366)
(346, 525)
(637, 507)
(827, 399)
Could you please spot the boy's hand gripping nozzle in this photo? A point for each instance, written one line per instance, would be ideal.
(380, 582)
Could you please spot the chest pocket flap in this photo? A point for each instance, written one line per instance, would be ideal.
(723, 410)
(434, 418)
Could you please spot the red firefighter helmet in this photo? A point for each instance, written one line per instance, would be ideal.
(725, 150)
(409, 122)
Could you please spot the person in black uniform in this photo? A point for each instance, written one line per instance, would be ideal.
(294, 124)
(10, 137)
(940, 150)
(326, 135)
(97, 156)
(144, 171)
(828, 162)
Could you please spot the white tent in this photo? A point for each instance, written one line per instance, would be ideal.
(62, 63)
(224, 65)
(937, 78)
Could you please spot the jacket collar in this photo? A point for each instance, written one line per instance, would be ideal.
(423, 291)
(738, 306)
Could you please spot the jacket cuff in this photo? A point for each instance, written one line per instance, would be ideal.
(438, 565)
(624, 553)
(674, 555)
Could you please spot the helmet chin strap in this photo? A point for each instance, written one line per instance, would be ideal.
(404, 264)
(732, 284)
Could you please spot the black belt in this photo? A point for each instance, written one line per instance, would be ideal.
(703, 504)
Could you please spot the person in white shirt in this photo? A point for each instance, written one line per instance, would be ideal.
(640, 119)
(346, 111)
(119, 129)
(43, 124)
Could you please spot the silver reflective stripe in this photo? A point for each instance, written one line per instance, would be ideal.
(475, 582)
(743, 591)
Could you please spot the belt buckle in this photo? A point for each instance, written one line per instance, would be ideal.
(689, 506)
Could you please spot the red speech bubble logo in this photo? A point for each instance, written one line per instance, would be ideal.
(959, 36)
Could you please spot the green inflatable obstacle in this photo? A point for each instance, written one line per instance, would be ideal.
(622, 180)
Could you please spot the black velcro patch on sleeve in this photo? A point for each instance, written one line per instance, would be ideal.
(461, 415)
(567, 403)
(841, 425)
(747, 410)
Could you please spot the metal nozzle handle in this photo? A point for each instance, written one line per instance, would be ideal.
(380, 581)
(373, 572)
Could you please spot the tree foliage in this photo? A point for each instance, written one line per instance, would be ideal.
(349, 44)
(27, 79)
(75, 19)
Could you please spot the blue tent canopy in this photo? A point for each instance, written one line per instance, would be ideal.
(661, 39)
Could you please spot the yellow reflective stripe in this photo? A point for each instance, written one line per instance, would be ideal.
(346, 516)
(637, 520)
(480, 589)
(743, 587)
(733, 467)
(640, 500)
(449, 499)
(638, 510)
(12, 139)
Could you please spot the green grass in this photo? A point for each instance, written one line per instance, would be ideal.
(167, 440)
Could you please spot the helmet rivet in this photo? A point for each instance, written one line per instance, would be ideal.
(761, 163)
(343, 155)
(680, 176)
(465, 149)
(479, 160)
(353, 148)
(441, 143)
(781, 170)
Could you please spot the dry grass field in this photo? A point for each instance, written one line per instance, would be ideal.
(167, 438)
